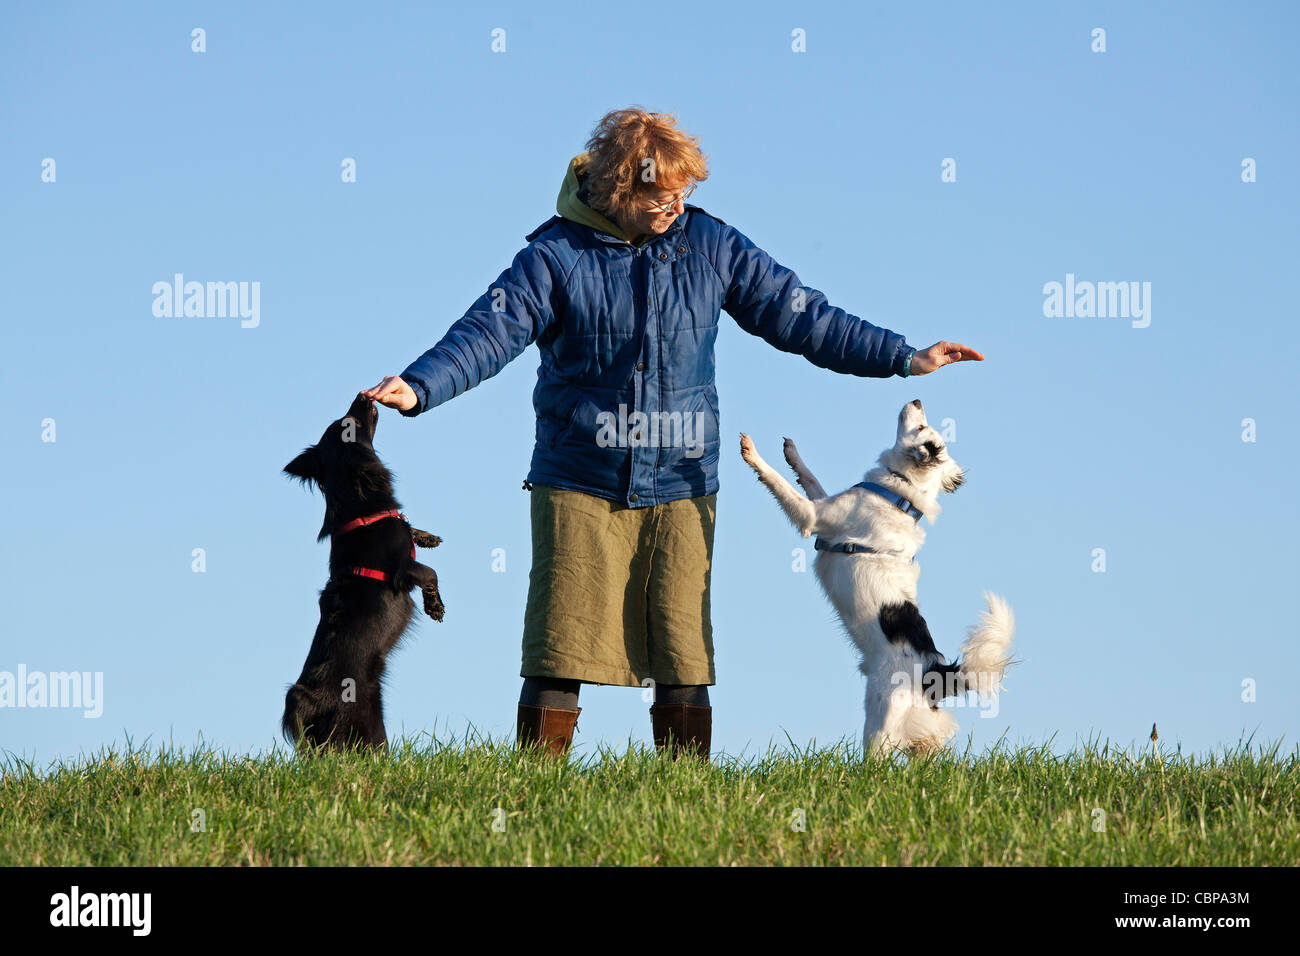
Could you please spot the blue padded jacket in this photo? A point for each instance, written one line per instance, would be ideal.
(626, 404)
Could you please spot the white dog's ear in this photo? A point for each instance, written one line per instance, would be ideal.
(953, 478)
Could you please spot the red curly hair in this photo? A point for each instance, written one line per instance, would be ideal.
(633, 151)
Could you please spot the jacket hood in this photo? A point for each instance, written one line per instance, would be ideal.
(570, 207)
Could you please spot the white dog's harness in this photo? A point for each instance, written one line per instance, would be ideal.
(897, 500)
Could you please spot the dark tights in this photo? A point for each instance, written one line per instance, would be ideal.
(558, 692)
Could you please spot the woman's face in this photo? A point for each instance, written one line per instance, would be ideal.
(653, 222)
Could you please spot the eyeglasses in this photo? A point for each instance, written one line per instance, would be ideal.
(667, 206)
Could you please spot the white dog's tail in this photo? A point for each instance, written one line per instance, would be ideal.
(986, 653)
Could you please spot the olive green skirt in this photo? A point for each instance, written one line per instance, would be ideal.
(619, 595)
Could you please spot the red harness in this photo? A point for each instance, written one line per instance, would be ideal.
(361, 523)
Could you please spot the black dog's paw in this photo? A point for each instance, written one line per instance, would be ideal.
(433, 605)
(423, 539)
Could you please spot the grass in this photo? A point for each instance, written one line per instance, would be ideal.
(480, 802)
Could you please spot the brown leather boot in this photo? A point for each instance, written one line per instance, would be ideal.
(687, 728)
(547, 728)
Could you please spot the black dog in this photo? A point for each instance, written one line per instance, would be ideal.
(366, 605)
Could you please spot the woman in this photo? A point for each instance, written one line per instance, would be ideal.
(621, 291)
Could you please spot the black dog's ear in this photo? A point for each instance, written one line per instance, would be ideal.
(305, 467)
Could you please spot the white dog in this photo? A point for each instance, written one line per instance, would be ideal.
(867, 542)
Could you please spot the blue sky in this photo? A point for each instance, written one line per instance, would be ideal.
(1077, 433)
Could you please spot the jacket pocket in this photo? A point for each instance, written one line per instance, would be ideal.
(559, 431)
(711, 398)
(696, 441)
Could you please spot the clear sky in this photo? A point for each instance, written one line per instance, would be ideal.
(1078, 433)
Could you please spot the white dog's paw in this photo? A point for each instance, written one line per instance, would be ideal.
(748, 452)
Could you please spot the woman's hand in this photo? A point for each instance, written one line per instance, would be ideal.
(925, 361)
(395, 393)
